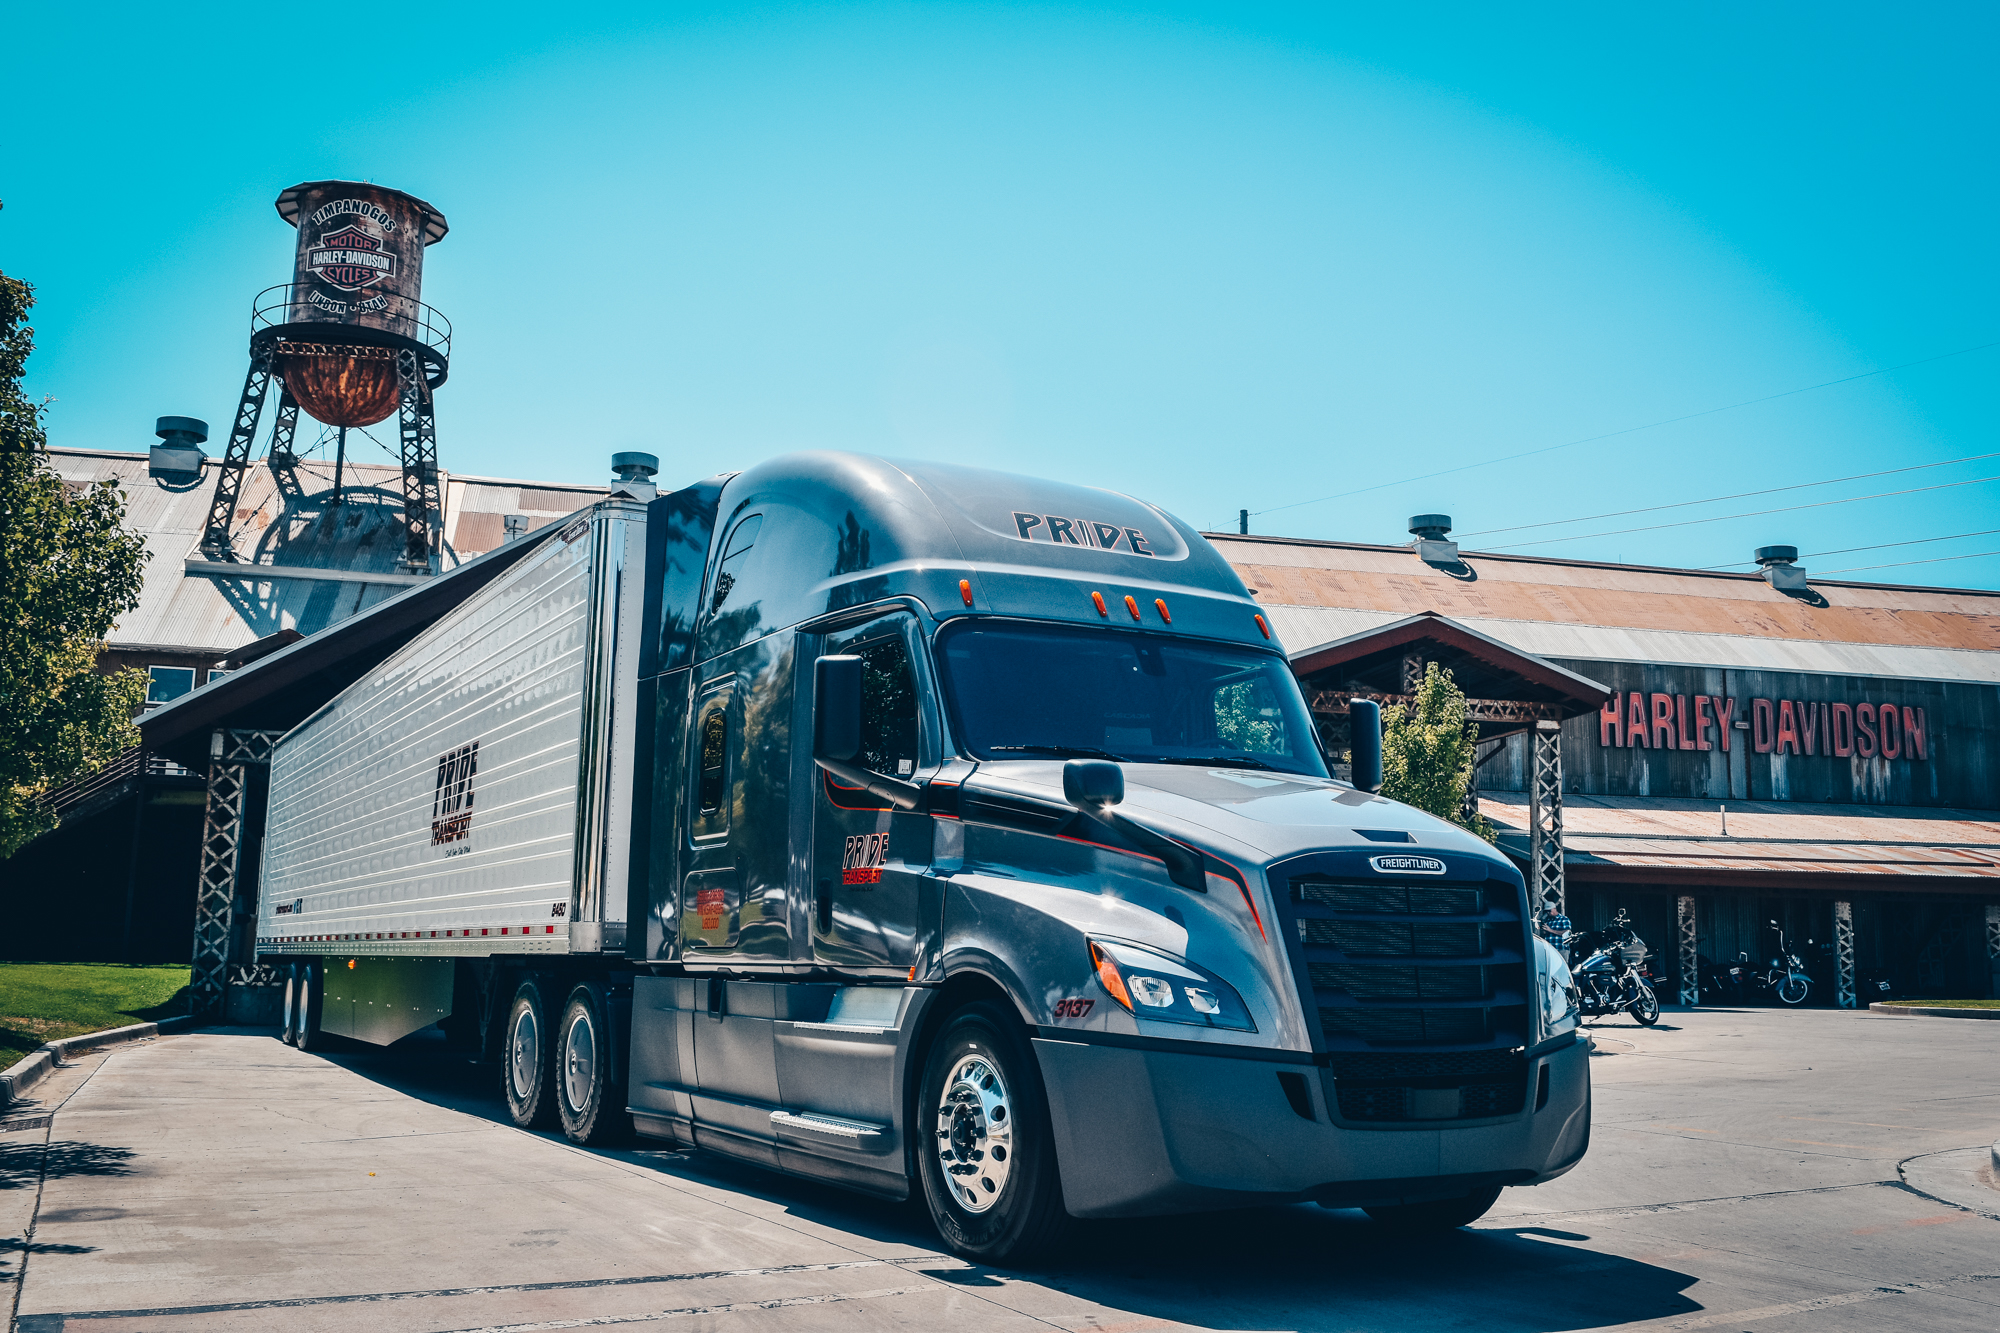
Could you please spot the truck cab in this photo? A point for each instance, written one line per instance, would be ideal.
(982, 846)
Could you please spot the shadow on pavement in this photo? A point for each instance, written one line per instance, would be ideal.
(1297, 1266)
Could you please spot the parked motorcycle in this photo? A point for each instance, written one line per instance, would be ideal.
(1784, 975)
(1607, 965)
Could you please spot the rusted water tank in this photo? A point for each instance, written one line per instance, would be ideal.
(354, 306)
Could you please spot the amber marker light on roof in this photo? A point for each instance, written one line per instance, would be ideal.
(965, 590)
(1262, 628)
(1160, 605)
(1132, 605)
(1097, 600)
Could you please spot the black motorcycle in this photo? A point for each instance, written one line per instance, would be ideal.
(1607, 967)
(1784, 975)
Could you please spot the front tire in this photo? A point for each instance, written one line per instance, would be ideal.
(1792, 990)
(527, 1059)
(1647, 1007)
(591, 1104)
(1438, 1215)
(985, 1148)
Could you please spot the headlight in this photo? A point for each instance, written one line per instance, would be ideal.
(1158, 986)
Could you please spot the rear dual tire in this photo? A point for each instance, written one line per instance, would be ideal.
(302, 1006)
(558, 1070)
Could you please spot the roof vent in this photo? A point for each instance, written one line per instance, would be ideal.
(635, 467)
(177, 459)
(1430, 545)
(1782, 573)
(635, 474)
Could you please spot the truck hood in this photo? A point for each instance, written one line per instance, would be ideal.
(1249, 816)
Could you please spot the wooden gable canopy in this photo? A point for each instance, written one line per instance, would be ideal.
(1506, 689)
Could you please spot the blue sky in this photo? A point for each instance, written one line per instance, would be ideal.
(1222, 257)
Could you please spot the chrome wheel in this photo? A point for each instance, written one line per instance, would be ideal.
(975, 1133)
(579, 1060)
(290, 1032)
(524, 1046)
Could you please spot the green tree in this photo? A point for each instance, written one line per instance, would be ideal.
(1427, 752)
(68, 568)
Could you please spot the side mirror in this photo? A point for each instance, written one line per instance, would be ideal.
(1093, 785)
(837, 732)
(837, 707)
(1364, 726)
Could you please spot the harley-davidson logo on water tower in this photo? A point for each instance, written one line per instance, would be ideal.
(351, 258)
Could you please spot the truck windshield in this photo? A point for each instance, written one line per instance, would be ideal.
(1031, 691)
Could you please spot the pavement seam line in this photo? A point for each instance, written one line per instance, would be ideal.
(1713, 1318)
(580, 1284)
(739, 1307)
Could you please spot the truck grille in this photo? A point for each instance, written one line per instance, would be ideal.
(1420, 988)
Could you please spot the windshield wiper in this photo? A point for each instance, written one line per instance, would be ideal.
(1068, 751)
(1217, 761)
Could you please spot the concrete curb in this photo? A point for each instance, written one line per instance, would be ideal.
(1940, 1011)
(32, 1068)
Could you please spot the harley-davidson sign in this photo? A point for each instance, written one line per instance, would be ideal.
(1777, 726)
(350, 258)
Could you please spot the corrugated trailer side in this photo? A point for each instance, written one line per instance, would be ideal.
(469, 797)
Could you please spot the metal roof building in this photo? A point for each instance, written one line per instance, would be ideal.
(1718, 750)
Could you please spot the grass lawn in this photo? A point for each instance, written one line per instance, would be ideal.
(1947, 1004)
(42, 1001)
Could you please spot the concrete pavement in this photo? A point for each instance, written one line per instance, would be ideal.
(1749, 1170)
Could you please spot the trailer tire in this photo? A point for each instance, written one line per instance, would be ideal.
(527, 1059)
(1437, 1215)
(981, 1104)
(286, 1034)
(305, 1018)
(592, 1106)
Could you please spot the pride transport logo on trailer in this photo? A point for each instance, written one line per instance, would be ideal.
(451, 803)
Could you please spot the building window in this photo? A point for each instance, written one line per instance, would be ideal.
(168, 683)
(214, 674)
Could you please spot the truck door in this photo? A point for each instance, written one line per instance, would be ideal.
(868, 858)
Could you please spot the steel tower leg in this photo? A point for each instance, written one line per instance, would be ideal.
(1545, 850)
(284, 462)
(1690, 957)
(215, 543)
(423, 507)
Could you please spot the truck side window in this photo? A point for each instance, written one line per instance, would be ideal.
(730, 567)
(888, 709)
(714, 760)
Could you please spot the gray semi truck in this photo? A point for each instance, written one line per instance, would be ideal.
(918, 829)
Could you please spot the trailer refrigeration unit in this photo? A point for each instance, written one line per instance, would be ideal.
(917, 828)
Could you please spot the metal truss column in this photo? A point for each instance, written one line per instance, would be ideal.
(215, 543)
(1993, 948)
(423, 509)
(1843, 954)
(1690, 957)
(231, 754)
(1545, 824)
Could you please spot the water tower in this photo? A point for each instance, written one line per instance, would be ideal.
(350, 342)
